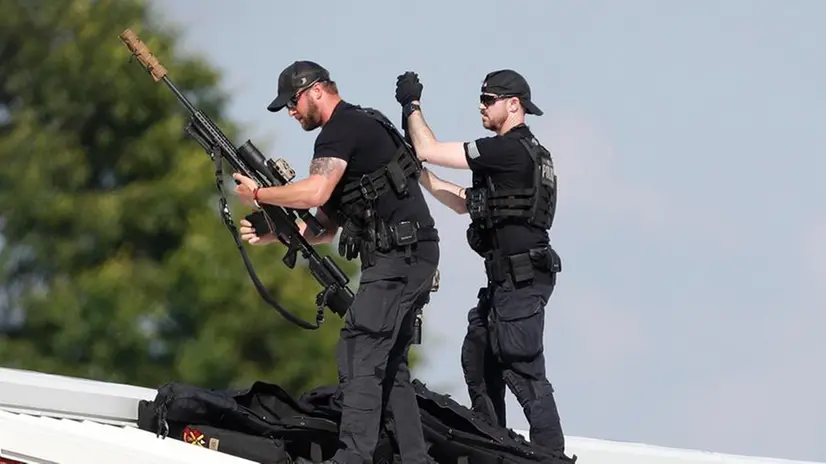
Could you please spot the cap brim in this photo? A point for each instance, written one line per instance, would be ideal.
(530, 108)
(278, 104)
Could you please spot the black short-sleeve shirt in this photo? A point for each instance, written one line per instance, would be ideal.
(509, 165)
(366, 145)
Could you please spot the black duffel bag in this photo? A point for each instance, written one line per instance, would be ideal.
(265, 424)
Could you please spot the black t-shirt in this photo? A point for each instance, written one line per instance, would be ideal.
(509, 165)
(366, 145)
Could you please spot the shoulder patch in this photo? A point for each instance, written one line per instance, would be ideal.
(472, 150)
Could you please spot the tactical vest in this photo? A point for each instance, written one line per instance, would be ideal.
(534, 205)
(488, 206)
(364, 232)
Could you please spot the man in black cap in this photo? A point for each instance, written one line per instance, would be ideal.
(511, 205)
(364, 179)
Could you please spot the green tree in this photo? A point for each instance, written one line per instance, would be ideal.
(115, 263)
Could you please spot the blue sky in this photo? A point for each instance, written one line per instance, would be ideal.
(691, 219)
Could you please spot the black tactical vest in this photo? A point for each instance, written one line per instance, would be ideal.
(534, 204)
(363, 231)
(360, 193)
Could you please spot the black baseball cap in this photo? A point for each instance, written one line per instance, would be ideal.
(293, 78)
(507, 82)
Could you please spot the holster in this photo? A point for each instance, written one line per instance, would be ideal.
(484, 296)
(374, 235)
(520, 267)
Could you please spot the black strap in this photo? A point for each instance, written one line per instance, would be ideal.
(226, 215)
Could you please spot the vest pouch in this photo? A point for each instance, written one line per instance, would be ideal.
(546, 259)
(477, 204)
(521, 268)
(555, 261)
(397, 178)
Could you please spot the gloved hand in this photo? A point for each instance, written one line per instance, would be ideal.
(256, 229)
(477, 241)
(408, 88)
(350, 242)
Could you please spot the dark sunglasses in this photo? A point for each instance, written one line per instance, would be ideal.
(293, 101)
(487, 99)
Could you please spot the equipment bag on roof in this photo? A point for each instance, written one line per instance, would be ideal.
(263, 423)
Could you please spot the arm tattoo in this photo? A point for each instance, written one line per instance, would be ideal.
(322, 166)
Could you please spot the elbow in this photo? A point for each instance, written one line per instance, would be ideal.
(314, 202)
(459, 207)
(425, 150)
(318, 198)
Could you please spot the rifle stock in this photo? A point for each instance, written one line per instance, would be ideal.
(250, 162)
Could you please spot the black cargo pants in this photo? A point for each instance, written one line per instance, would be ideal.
(504, 347)
(373, 351)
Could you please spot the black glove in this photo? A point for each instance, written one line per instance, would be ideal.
(477, 240)
(408, 88)
(350, 242)
(260, 223)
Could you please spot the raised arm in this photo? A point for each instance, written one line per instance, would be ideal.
(428, 148)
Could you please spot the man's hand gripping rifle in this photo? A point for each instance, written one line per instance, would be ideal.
(249, 161)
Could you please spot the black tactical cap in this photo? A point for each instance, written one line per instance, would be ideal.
(293, 78)
(507, 82)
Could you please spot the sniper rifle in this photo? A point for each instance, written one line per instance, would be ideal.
(249, 161)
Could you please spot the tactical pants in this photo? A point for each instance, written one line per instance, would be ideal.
(373, 356)
(504, 347)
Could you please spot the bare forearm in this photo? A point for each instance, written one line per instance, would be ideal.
(302, 194)
(448, 193)
(420, 134)
(430, 150)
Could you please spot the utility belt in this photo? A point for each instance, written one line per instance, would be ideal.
(383, 238)
(521, 267)
(403, 235)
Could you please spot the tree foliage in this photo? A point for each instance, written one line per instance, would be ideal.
(115, 264)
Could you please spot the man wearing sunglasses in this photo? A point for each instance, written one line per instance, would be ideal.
(364, 179)
(511, 205)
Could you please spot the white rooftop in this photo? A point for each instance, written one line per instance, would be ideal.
(48, 418)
